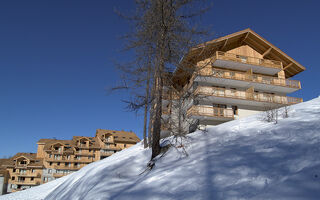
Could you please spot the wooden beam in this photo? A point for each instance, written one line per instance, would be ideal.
(241, 43)
(267, 52)
(254, 43)
(224, 44)
(289, 65)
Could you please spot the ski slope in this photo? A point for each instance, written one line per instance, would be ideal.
(241, 159)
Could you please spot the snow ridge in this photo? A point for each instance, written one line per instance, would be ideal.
(241, 159)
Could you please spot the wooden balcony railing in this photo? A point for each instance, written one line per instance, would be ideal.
(63, 167)
(58, 175)
(253, 96)
(38, 175)
(248, 60)
(84, 153)
(106, 153)
(170, 95)
(242, 76)
(24, 182)
(209, 111)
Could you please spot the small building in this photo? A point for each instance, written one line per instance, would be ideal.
(3, 176)
(56, 158)
(25, 171)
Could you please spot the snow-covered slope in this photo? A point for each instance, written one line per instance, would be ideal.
(241, 159)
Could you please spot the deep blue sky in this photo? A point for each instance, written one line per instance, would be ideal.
(56, 59)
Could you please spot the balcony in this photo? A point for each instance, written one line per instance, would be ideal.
(249, 99)
(106, 153)
(84, 153)
(58, 175)
(244, 63)
(23, 182)
(37, 175)
(210, 113)
(111, 148)
(51, 151)
(246, 80)
(168, 96)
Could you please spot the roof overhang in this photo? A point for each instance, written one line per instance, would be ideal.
(244, 37)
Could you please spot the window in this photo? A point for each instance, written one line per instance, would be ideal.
(23, 162)
(125, 145)
(32, 170)
(21, 179)
(13, 178)
(58, 163)
(14, 170)
(31, 179)
(49, 171)
(242, 58)
(57, 157)
(50, 163)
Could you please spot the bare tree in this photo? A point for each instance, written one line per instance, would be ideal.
(285, 111)
(271, 114)
(163, 33)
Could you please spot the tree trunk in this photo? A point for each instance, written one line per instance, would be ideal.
(145, 142)
(157, 113)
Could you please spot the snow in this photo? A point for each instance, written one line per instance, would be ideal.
(241, 159)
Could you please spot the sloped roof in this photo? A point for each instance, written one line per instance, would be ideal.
(93, 140)
(3, 162)
(245, 37)
(37, 162)
(120, 136)
(49, 142)
(30, 156)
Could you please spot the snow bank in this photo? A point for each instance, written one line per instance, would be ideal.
(241, 159)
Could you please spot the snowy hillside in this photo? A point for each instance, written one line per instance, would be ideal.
(242, 159)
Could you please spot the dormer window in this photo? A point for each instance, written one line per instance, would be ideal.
(23, 162)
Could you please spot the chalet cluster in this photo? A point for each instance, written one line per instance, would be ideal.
(57, 158)
(228, 78)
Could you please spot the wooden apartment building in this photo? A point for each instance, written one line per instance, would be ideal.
(229, 78)
(57, 158)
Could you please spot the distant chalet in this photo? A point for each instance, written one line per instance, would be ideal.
(57, 158)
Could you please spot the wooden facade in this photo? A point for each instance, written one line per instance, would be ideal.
(57, 158)
(231, 77)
